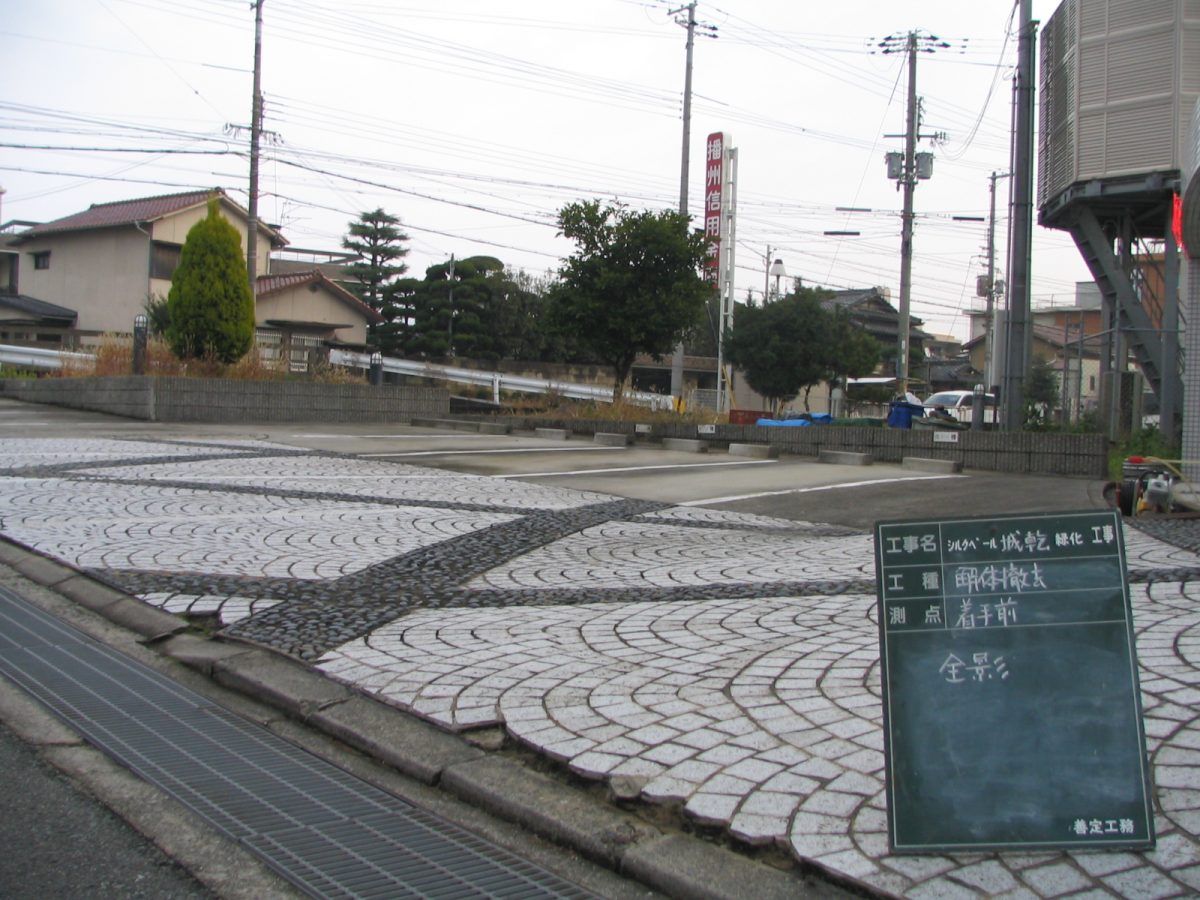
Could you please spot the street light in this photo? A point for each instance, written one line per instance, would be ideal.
(140, 329)
(778, 272)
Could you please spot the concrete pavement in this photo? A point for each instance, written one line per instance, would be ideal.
(715, 669)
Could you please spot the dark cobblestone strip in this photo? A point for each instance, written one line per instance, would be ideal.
(1179, 531)
(429, 578)
(308, 629)
(1153, 576)
(797, 530)
(682, 594)
(453, 562)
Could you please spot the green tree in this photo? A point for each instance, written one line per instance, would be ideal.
(476, 308)
(158, 314)
(1040, 393)
(852, 352)
(394, 336)
(451, 309)
(377, 239)
(632, 285)
(210, 305)
(783, 346)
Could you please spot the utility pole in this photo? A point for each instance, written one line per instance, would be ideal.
(255, 136)
(767, 276)
(711, 31)
(907, 169)
(1019, 343)
(906, 228)
(690, 24)
(989, 323)
(450, 327)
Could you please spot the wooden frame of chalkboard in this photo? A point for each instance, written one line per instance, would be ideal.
(1012, 714)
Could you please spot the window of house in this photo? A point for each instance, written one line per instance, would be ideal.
(41, 259)
(164, 259)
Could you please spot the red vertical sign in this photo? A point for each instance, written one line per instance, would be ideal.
(714, 184)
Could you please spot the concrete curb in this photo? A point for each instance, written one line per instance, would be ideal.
(544, 806)
(684, 867)
(755, 451)
(552, 434)
(941, 466)
(499, 784)
(612, 439)
(687, 445)
(844, 458)
(115, 606)
(452, 424)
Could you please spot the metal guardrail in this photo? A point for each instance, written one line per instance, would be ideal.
(498, 381)
(36, 357)
(39, 358)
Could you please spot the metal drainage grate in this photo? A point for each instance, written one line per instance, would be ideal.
(328, 832)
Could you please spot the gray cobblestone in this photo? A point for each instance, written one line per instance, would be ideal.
(736, 678)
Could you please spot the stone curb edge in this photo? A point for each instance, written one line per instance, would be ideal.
(677, 864)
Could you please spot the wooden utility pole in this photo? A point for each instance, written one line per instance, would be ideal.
(255, 138)
(910, 169)
(989, 322)
(690, 24)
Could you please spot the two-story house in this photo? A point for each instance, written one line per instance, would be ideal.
(91, 273)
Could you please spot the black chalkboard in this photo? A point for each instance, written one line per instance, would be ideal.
(1012, 718)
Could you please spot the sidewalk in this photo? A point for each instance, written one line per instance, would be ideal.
(718, 669)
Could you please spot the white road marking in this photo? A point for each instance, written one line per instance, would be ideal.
(805, 490)
(469, 452)
(749, 462)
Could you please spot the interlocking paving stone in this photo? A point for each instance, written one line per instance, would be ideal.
(725, 663)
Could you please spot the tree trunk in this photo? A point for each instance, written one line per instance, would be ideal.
(620, 374)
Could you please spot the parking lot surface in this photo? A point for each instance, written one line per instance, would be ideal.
(699, 633)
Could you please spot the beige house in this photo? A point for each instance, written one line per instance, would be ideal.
(101, 265)
(306, 311)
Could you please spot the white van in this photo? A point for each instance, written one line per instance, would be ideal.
(958, 404)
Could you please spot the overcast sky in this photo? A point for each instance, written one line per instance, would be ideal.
(474, 121)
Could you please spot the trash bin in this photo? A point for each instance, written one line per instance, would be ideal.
(901, 413)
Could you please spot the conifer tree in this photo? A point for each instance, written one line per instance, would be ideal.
(377, 239)
(211, 305)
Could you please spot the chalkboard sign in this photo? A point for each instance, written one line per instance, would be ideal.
(1012, 718)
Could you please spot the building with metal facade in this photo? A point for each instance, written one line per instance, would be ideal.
(1119, 81)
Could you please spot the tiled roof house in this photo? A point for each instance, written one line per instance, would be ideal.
(90, 273)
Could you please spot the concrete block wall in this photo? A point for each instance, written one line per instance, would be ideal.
(996, 451)
(226, 400)
(218, 400)
(130, 396)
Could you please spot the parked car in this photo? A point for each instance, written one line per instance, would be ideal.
(958, 404)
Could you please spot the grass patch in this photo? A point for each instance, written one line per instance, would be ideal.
(114, 357)
(1147, 442)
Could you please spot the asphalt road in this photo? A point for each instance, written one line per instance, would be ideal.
(797, 488)
(60, 842)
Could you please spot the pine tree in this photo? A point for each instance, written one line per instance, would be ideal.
(210, 303)
(377, 239)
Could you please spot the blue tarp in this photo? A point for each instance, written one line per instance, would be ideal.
(814, 419)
